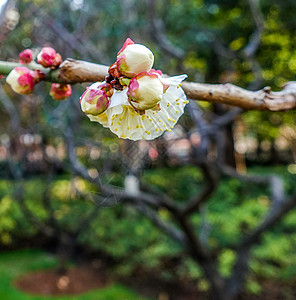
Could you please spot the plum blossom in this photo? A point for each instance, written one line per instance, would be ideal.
(135, 101)
(122, 119)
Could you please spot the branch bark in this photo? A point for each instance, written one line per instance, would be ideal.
(77, 71)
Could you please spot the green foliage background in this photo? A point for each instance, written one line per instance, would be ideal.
(135, 244)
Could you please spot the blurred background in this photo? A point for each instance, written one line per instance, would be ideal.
(63, 219)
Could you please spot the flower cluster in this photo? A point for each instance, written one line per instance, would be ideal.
(23, 79)
(135, 101)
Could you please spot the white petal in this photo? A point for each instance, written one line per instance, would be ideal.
(175, 80)
(119, 98)
(122, 120)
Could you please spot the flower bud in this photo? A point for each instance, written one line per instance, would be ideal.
(48, 57)
(60, 91)
(94, 101)
(133, 59)
(21, 80)
(26, 56)
(145, 91)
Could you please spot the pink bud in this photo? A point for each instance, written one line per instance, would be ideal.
(60, 91)
(133, 59)
(48, 58)
(145, 91)
(94, 101)
(21, 80)
(26, 56)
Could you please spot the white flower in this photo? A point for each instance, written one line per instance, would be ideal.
(122, 119)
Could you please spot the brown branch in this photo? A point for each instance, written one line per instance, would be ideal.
(74, 71)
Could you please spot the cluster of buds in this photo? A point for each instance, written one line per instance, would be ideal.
(23, 79)
(131, 71)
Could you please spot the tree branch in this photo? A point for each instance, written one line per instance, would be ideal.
(76, 71)
(276, 213)
(211, 184)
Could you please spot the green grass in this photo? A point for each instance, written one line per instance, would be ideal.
(14, 264)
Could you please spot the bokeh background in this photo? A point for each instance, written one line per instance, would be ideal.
(45, 205)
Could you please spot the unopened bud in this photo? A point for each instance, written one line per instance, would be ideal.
(145, 91)
(94, 101)
(26, 56)
(133, 59)
(21, 80)
(49, 58)
(60, 91)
